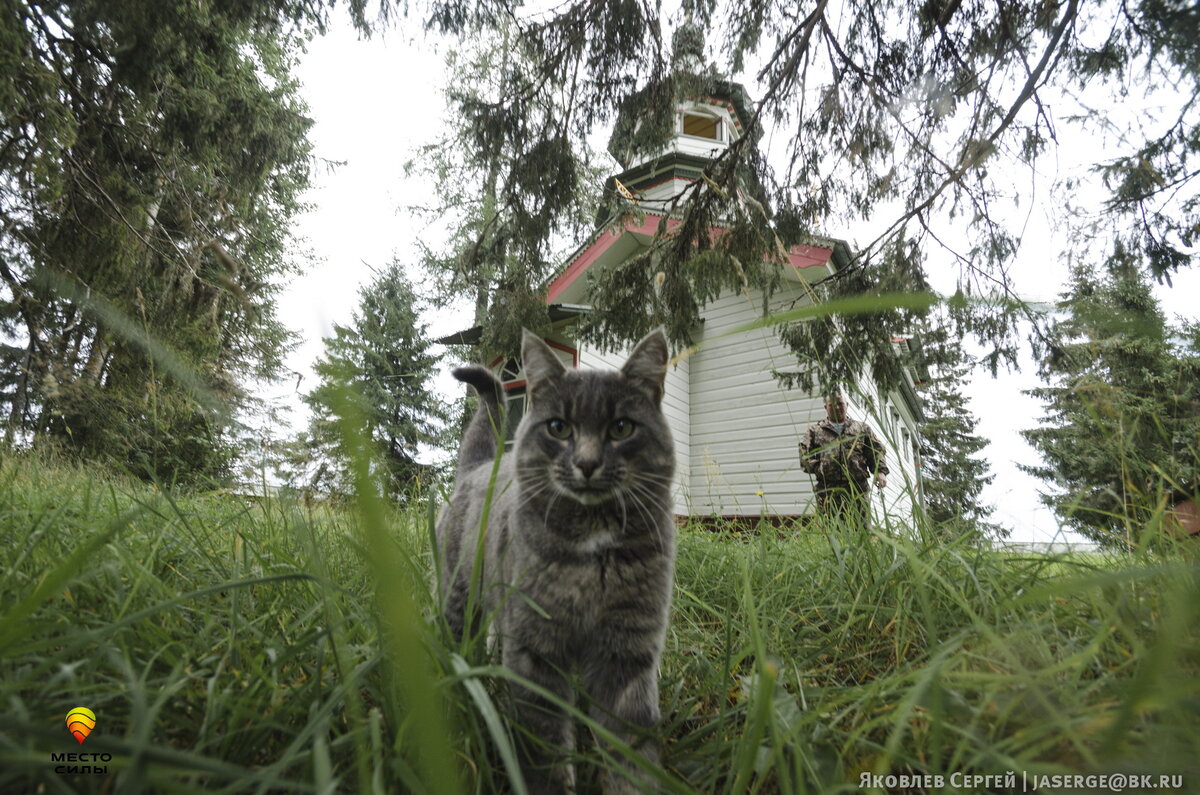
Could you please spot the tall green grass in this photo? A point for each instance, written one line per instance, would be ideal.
(256, 645)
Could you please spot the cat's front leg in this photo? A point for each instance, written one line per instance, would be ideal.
(545, 760)
(624, 693)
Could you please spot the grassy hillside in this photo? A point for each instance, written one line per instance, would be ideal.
(259, 645)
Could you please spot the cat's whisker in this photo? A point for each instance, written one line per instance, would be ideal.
(657, 493)
(634, 492)
(637, 503)
(529, 495)
(624, 512)
(661, 488)
(550, 504)
(654, 491)
(655, 476)
(643, 509)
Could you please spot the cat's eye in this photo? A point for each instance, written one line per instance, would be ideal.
(559, 429)
(621, 429)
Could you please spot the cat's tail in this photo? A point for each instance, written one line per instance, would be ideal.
(479, 441)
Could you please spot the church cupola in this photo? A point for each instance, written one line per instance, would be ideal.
(667, 133)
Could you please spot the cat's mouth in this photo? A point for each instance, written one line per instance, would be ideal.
(588, 494)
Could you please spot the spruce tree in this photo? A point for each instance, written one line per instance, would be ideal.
(953, 475)
(383, 362)
(152, 156)
(1121, 435)
(511, 215)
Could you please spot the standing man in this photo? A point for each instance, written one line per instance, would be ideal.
(842, 454)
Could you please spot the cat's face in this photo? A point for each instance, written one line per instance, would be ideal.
(594, 437)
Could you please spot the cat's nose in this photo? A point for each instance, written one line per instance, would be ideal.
(587, 467)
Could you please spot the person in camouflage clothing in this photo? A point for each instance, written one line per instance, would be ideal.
(842, 455)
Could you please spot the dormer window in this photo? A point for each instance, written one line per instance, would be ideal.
(515, 404)
(514, 398)
(510, 370)
(702, 125)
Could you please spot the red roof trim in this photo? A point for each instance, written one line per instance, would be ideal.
(809, 256)
(801, 256)
(593, 252)
(566, 349)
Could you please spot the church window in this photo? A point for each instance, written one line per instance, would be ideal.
(514, 404)
(514, 398)
(702, 126)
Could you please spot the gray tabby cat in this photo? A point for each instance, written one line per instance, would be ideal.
(580, 545)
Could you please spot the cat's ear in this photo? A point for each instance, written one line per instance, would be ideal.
(646, 367)
(542, 366)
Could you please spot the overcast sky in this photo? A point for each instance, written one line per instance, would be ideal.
(376, 101)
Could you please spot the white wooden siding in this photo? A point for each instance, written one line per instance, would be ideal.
(745, 426)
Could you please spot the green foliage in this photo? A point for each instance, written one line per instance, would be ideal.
(152, 156)
(838, 348)
(247, 644)
(1121, 434)
(512, 192)
(952, 474)
(914, 113)
(223, 641)
(381, 361)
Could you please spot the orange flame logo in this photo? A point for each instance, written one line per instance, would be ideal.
(80, 722)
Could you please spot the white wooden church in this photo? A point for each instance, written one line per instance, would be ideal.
(736, 429)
